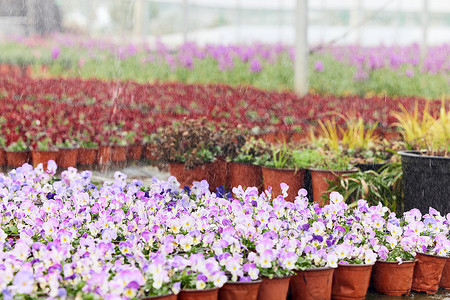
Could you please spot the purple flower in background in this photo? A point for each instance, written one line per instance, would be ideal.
(360, 75)
(255, 66)
(55, 52)
(318, 66)
(409, 73)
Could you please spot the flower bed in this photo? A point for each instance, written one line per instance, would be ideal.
(68, 237)
(381, 70)
(94, 111)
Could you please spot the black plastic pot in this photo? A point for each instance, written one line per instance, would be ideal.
(426, 181)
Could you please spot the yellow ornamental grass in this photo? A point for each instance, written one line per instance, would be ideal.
(412, 129)
(354, 135)
(439, 133)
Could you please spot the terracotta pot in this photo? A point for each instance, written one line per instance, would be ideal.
(445, 279)
(16, 159)
(67, 157)
(164, 297)
(104, 155)
(275, 288)
(134, 152)
(312, 284)
(206, 294)
(239, 290)
(428, 273)
(43, 157)
(186, 177)
(392, 278)
(118, 153)
(246, 175)
(351, 281)
(297, 137)
(219, 174)
(320, 185)
(87, 156)
(274, 177)
(2, 157)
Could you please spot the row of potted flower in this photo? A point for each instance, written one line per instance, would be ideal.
(65, 237)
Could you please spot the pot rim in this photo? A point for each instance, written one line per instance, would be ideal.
(417, 153)
(355, 265)
(244, 282)
(9, 151)
(433, 255)
(195, 290)
(334, 171)
(283, 169)
(396, 262)
(314, 269)
(276, 277)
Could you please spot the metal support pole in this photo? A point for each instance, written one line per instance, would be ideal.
(301, 48)
(185, 20)
(137, 17)
(425, 23)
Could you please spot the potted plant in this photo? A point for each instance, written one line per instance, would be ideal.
(88, 151)
(281, 167)
(396, 259)
(199, 282)
(135, 146)
(328, 167)
(429, 236)
(189, 149)
(245, 168)
(119, 143)
(316, 257)
(275, 267)
(68, 151)
(17, 153)
(426, 162)
(384, 186)
(354, 247)
(43, 149)
(243, 277)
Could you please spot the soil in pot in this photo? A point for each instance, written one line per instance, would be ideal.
(43, 157)
(351, 281)
(67, 157)
(320, 185)
(240, 290)
(275, 288)
(274, 177)
(312, 284)
(392, 278)
(246, 175)
(16, 159)
(428, 273)
(206, 294)
(87, 156)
